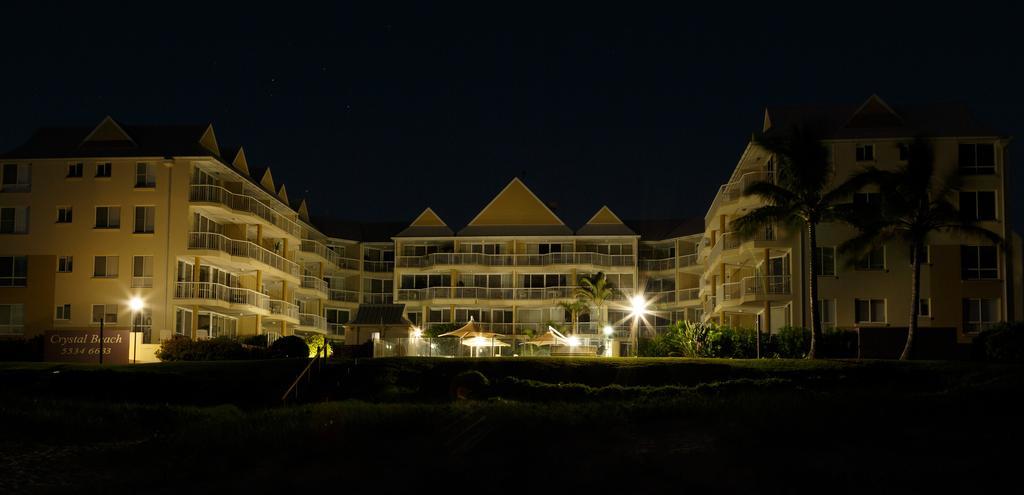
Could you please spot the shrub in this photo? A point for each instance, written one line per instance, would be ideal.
(1002, 343)
(315, 342)
(256, 340)
(791, 342)
(740, 343)
(181, 348)
(291, 346)
(469, 384)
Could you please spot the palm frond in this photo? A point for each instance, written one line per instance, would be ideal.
(751, 223)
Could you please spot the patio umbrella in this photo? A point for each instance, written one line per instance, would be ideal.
(470, 330)
(551, 337)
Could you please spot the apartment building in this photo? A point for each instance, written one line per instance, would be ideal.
(966, 283)
(91, 219)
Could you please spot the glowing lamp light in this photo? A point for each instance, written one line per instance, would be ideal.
(608, 330)
(417, 332)
(573, 341)
(639, 304)
(135, 303)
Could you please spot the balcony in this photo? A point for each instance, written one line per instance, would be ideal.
(243, 249)
(205, 193)
(235, 297)
(582, 258)
(283, 309)
(313, 322)
(343, 295)
(691, 294)
(481, 259)
(454, 259)
(315, 284)
(336, 329)
(688, 260)
(379, 266)
(730, 192)
(754, 289)
(486, 293)
(378, 298)
(657, 265)
(327, 254)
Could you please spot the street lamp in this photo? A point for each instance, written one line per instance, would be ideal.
(135, 304)
(608, 331)
(639, 309)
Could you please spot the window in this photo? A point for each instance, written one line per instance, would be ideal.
(105, 312)
(103, 169)
(142, 271)
(867, 198)
(440, 315)
(827, 312)
(977, 159)
(145, 175)
(16, 177)
(13, 271)
(870, 310)
(978, 205)
(825, 261)
(105, 267)
(978, 262)
(904, 150)
(64, 264)
(142, 321)
(63, 312)
(74, 170)
(145, 216)
(63, 214)
(865, 152)
(108, 217)
(14, 220)
(12, 319)
(924, 307)
(183, 321)
(874, 260)
(980, 314)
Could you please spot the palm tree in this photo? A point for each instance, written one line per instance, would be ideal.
(575, 308)
(913, 206)
(595, 290)
(799, 197)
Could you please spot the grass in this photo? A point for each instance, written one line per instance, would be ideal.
(647, 425)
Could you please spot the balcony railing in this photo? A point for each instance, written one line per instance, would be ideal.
(379, 266)
(206, 193)
(221, 292)
(688, 260)
(688, 294)
(755, 286)
(313, 321)
(283, 308)
(245, 249)
(316, 283)
(378, 298)
(434, 259)
(491, 293)
(343, 295)
(657, 265)
(579, 258)
(336, 329)
(320, 249)
(732, 191)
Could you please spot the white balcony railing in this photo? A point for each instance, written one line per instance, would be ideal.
(657, 265)
(379, 266)
(320, 249)
(580, 258)
(313, 321)
(690, 294)
(245, 249)
(766, 285)
(378, 298)
(576, 258)
(221, 292)
(316, 283)
(688, 260)
(283, 308)
(490, 293)
(732, 191)
(206, 193)
(343, 295)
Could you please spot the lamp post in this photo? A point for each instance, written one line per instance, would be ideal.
(608, 331)
(135, 304)
(639, 306)
(101, 340)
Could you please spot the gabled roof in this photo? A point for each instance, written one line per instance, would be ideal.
(516, 210)
(267, 181)
(874, 118)
(303, 211)
(605, 222)
(108, 131)
(111, 139)
(282, 194)
(236, 158)
(380, 315)
(427, 224)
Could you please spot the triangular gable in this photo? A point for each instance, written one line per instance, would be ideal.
(268, 180)
(209, 140)
(874, 112)
(428, 219)
(767, 124)
(283, 195)
(240, 163)
(605, 216)
(108, 130)
(516, 204)
(304, 211)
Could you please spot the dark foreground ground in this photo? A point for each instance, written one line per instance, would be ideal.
(541, 425)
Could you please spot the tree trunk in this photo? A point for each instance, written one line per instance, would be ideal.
(915, 299)
(812, 285)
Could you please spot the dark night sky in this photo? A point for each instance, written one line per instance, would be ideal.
(376, 115)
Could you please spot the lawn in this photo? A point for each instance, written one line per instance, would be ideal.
(648, 425)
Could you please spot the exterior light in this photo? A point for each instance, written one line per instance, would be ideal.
(639, 305)
(135, 303)
(417, 332)
(608, 330)
(573, 341)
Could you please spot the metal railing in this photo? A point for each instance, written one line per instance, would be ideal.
(315, 283)
(245, 249)
(320, 249)
(221, 292)
(575, 258)
(379, 266)
(343, 295)
(206, 193)
(313, 321)
(491, 293)
(688, 260)
(766, 285)
(661, 297)
(378, 298)
(656, 265)
(283, 308)
(435, 259)
(688, 294)
(732, 191)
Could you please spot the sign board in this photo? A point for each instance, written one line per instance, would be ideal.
(83, 346)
